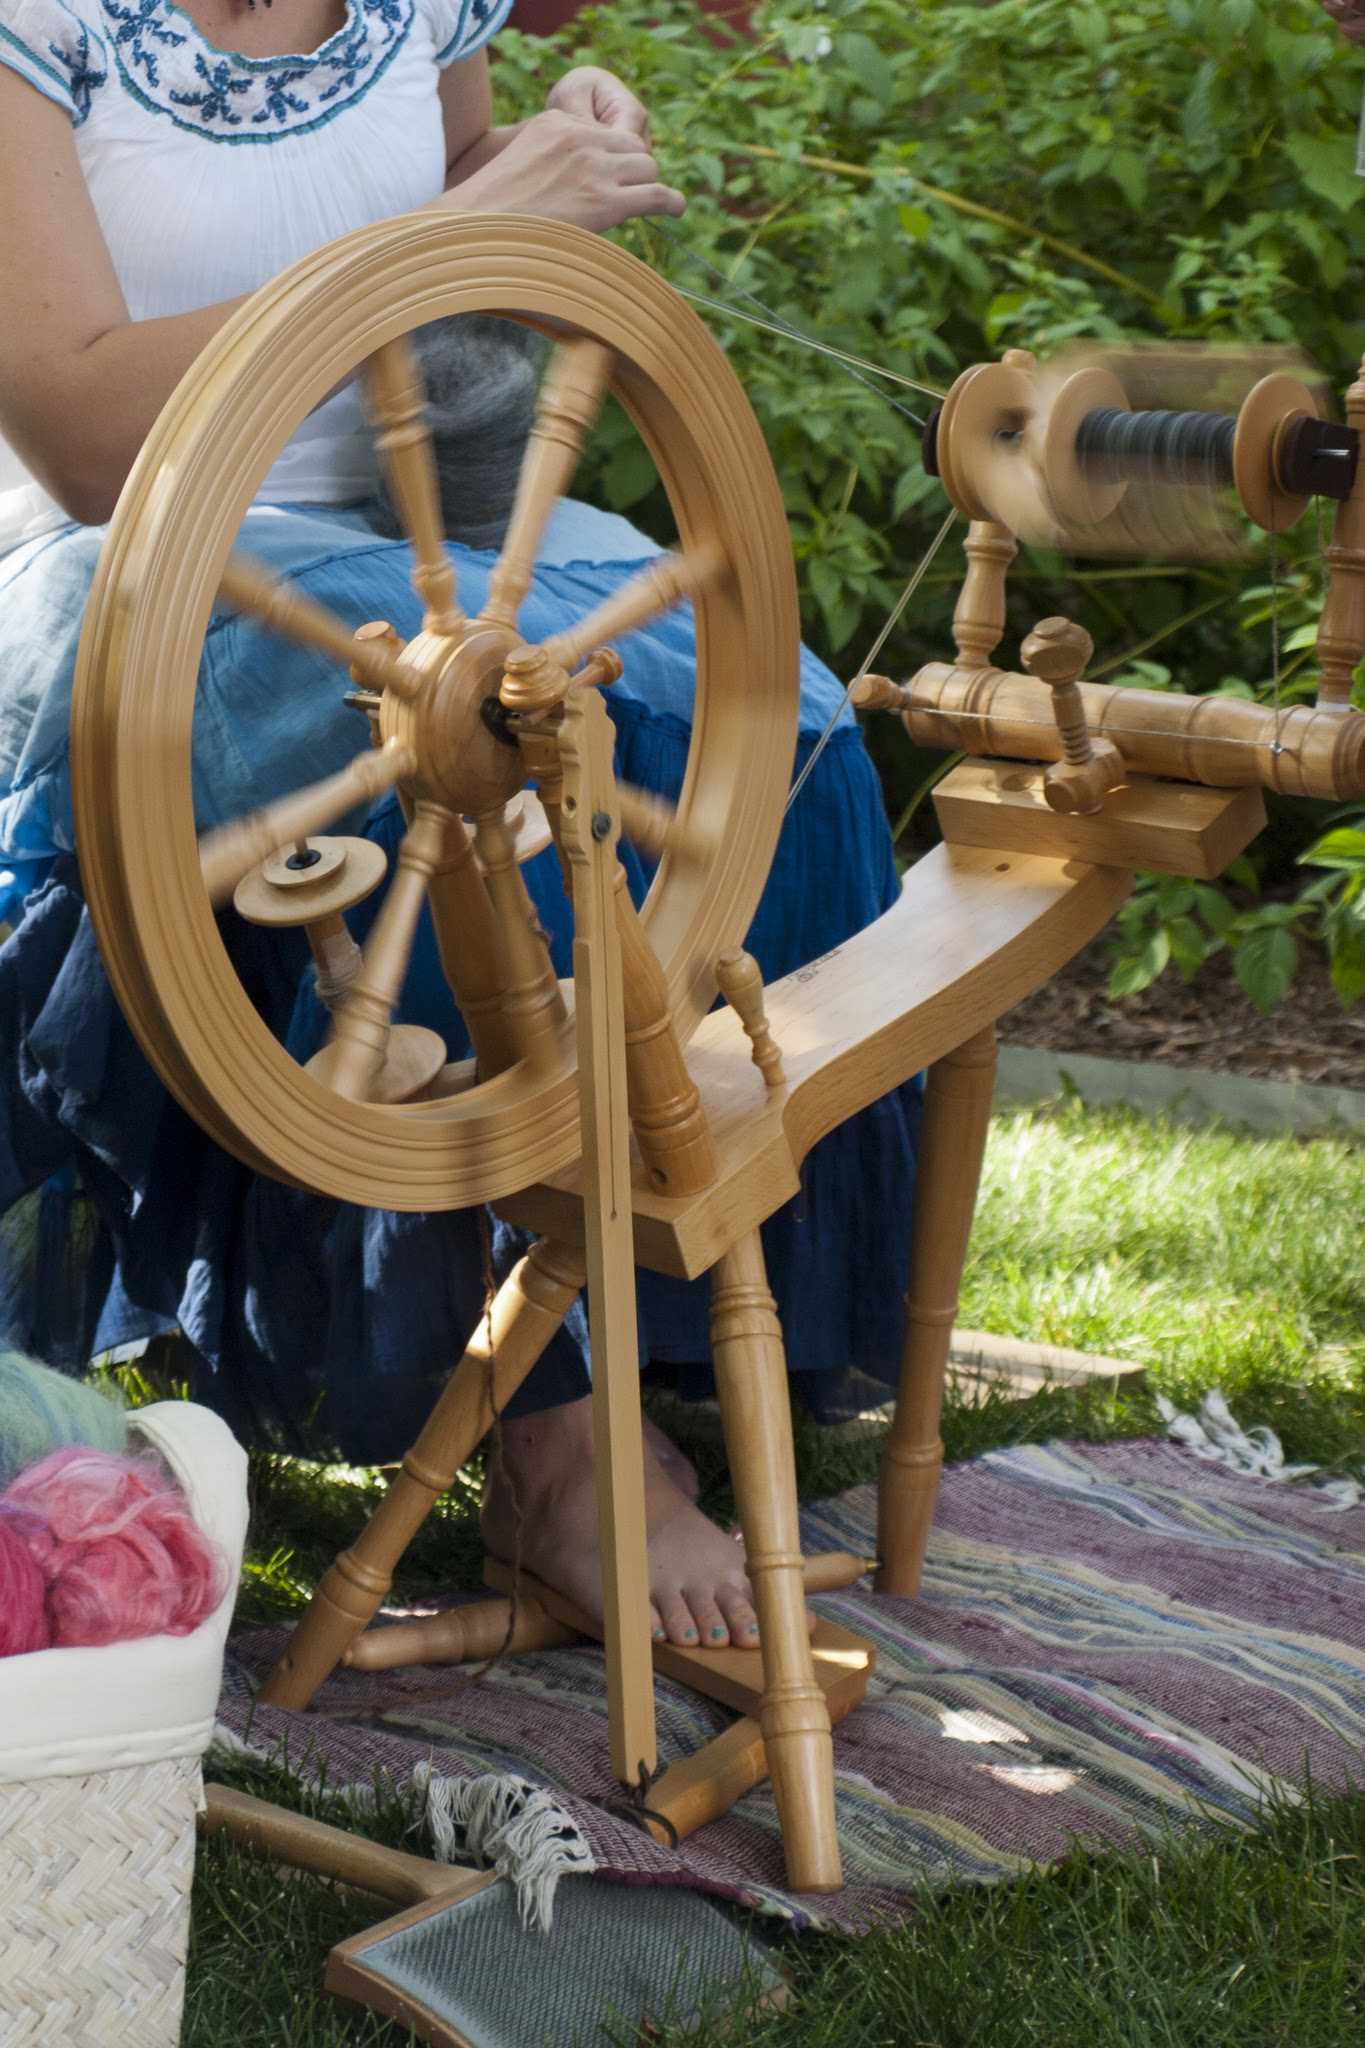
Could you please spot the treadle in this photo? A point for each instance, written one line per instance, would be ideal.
(843, 1661)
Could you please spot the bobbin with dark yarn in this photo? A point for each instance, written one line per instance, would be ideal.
(1313, 458)
(1163, 447)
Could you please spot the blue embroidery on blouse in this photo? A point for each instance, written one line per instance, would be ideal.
(280, 103)
(214, 103)
(138, 31)
(213, 92)
(84, 72)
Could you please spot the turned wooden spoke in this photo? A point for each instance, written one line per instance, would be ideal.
(397, 403)
(647, 821)
(353, 1057)
(656, 589)
(282, 609)
(533, 1006)
(570, 395)
(231, 851)
(471, 948)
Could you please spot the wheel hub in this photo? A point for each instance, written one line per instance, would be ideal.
(462, 760)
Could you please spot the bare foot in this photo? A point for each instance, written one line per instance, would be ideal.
(676, 1463)
(539, 1506)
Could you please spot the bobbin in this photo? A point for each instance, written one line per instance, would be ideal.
(1052, 464)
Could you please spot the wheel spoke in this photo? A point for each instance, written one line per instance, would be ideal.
(533, 1006)
(647, 821)
(284, 610)
(470, 945)
(231, 851)
(654, 826)
(352, 1060)
(397, 402)
(656, 589)
(570, 394)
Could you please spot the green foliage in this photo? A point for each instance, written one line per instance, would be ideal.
(926, 185)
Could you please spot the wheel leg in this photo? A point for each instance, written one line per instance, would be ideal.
(527, 1310)
(957, 1109)
(751, 1381)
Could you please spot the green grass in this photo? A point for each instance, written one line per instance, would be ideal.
(1216, 1260)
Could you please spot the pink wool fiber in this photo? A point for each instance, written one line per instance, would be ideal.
(23, 1589)
(119, 1554)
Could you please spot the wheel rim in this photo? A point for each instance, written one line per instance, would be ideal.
(135, 687)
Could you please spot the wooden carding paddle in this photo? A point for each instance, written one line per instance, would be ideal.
(460, 1968)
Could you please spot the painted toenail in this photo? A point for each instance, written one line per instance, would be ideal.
(689, 1635)
(660, 1635)
(752, 1629)
(716, 1634)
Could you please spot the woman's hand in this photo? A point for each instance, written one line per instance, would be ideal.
(1349, 16)
(590, 94)
(564, 167)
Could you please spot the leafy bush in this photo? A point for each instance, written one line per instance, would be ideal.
(924, 185)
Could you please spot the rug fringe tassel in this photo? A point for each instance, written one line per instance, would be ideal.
(506, 1821)
(1216, 1436)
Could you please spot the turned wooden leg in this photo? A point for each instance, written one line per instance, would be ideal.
(751, 1381)
(957, 1110)
(529, 1307)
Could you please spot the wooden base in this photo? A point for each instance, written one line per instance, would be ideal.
(1177, 828)
(972, 933)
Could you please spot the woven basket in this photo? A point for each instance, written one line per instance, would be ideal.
(99, 1790)
(96, 1873)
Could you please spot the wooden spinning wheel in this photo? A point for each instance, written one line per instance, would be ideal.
(151, 887)
(1036, 859)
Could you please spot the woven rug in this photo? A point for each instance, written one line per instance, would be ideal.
(1109, 1639)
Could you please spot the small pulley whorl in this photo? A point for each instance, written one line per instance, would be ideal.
(1003, 445)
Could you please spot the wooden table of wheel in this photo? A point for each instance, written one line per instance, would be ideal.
(722, 1105)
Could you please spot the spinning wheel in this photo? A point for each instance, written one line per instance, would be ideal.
(1033, 865)
(151, 887)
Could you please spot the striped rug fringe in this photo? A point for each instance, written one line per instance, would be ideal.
(1216, 1436)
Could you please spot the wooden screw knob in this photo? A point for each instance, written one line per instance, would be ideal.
(1057, 651)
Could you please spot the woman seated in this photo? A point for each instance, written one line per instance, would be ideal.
(158, 163)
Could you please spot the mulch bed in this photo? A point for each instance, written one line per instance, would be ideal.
(1205, 1023)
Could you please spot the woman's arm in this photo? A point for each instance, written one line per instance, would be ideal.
(80, 383)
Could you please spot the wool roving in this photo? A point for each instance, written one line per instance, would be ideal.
(23, 1589)
(119, 1552)
(40, 1410)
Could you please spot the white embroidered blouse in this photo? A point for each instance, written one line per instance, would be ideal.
(211, 172)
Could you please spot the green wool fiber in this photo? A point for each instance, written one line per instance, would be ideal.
(42, 1411)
